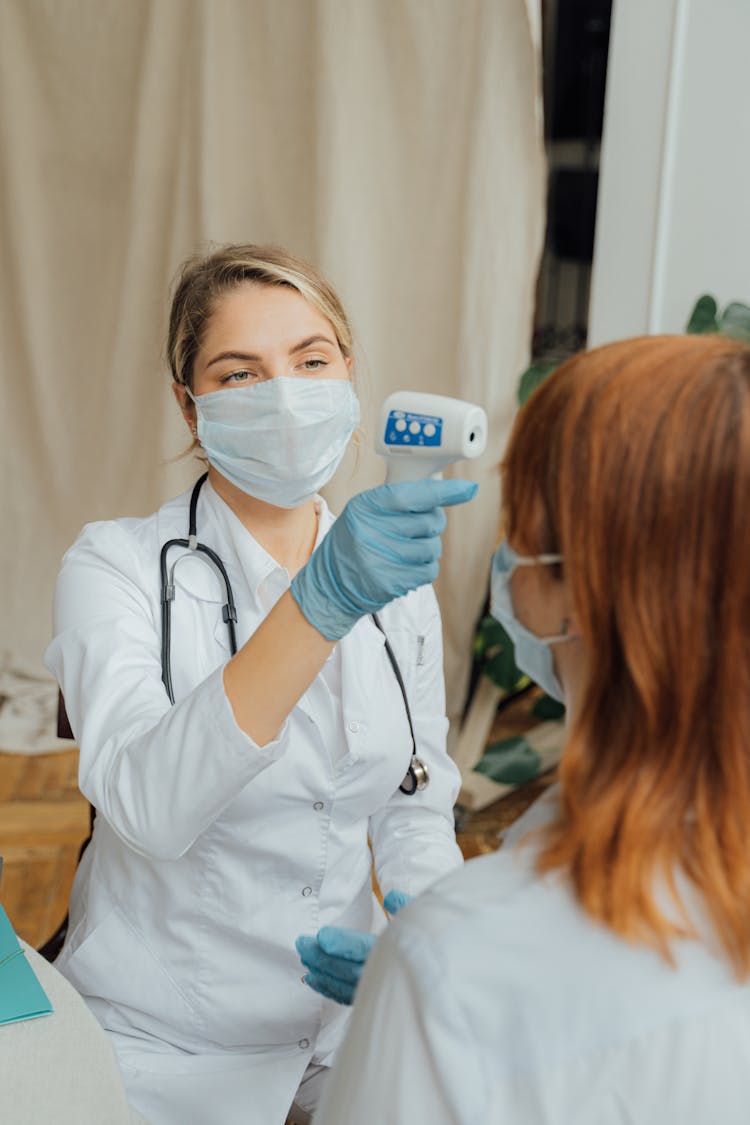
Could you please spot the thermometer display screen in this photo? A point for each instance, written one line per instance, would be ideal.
(405, 429)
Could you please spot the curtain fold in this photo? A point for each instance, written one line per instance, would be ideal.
(395, 143)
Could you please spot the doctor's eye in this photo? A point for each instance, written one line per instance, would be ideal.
(235, 377)
(314, 364)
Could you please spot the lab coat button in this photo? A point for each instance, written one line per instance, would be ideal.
(307, 891)
(304, 1043)
(354, 727)
(318, 806)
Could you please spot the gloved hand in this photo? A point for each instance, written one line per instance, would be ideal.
(385, 543)
(336, 957)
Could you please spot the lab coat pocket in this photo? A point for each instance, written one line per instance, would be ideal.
(194, 1089)
(407, 648)
(114, 962)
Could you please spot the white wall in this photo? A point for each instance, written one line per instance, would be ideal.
(673, 218)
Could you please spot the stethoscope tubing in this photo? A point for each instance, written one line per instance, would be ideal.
(228, 611)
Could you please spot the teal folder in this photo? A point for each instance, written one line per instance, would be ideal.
(21, 995)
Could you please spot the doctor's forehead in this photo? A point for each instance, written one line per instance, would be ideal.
(264, 316)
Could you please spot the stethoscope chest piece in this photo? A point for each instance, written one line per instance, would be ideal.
(417, 778)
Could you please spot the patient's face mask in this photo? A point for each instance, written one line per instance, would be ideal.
(279, 440)
(533, 654)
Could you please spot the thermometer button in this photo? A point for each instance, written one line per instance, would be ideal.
(429, 430)
(414, 427)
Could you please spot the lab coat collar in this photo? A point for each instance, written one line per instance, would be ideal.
(251, 563)
(191, 574)
(246, 561)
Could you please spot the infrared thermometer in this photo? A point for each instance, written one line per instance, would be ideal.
(419, 434)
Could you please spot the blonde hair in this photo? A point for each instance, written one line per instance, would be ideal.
(633, 462)
(204, 278)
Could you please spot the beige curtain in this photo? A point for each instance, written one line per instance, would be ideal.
(396, 143)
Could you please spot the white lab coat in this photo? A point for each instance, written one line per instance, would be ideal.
(495, 999)
(210, 854)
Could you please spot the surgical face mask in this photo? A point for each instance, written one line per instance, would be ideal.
(280, 440)
(533, 654)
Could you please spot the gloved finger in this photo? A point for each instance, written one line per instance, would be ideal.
(332, 990)
(413, 525)
(420, 574)
(313, 957)
(421, 495)
(397, 550)
(394, 900)
(339, 941)
(323, 964)
(406, 525)
(461, 493)
(428, 574)
(343, 967)
(306, 947)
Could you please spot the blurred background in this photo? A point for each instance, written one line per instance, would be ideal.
(397, 144)
(485, 182)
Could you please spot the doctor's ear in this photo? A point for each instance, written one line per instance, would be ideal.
(186, 405)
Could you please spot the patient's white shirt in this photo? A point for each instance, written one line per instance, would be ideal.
(494, 998)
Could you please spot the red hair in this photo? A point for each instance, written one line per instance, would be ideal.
(633, 462)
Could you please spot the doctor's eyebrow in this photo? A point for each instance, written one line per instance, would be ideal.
(311, 340)
(249, 357)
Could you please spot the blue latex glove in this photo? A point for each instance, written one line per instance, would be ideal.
(336, 957)
(385, 543)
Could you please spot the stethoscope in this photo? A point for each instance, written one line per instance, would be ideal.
(416, 778)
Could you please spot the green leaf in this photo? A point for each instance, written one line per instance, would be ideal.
(735, 321)
(548, 708)
(494, 651)
(532, 377)
(489, 635)
(510, 761)
(501, 669)
(703, 317)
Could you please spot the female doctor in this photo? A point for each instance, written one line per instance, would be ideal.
(241, 726)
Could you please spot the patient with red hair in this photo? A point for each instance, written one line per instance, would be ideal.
(596, 969)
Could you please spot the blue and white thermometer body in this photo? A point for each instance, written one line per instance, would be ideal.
(419, 434)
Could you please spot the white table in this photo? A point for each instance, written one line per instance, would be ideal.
(60, 1068)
